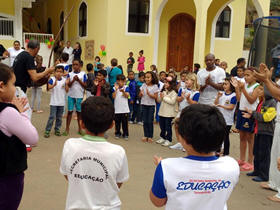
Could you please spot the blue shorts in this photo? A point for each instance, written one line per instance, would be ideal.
(77, 102)
(244, 124)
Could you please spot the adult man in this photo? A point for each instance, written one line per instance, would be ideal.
(210, 80)
(241, 62)
(14, 51)
(69, 50)
(24, 66)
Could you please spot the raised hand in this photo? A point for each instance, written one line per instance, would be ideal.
(20, 103)
(157, 160)
(264, 73)
(116, 86)
(219, 95)
(188, 96)
(95, 82)
(234, 82)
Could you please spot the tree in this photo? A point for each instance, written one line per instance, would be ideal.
(275, 5)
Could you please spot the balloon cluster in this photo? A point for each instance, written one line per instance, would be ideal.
(102, 52)
(27, 40)
(49, 42)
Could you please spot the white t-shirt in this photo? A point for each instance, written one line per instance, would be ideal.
(225, 100)
(196, 183)
(58, 93)
(160, 85)
(244, 103)
(240, 79)
(13, 54)
(194, 95)
(121, 102)
(93, 167)
(69, 51)
(65, 65)
(76, 90)
(208, 95)
(147, 100)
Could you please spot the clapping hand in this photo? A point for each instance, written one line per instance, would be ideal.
(95, 82)
(116, 86)
(247, 114)
(76, 78)
(264, 73)
(188, 96)
(208, 80)
(157, 160)
(234, 82)
(162, 94)
(20, 103)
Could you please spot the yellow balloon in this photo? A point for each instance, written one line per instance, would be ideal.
(100, 53)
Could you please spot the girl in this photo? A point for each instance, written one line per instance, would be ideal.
(141, 61)
(96, 62)
(247, 94)
(77, 51)
(13, 160)
(162, 77)
(226, 102)
(167, 111)
(153, 68)
(149, 93)
(187, 95)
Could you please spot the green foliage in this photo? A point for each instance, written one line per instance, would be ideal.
(275, 5)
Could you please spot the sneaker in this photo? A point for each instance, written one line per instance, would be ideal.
(117, 136)
(130, 122)
(177, 146)
(47, 134)
(252, 174)
(247, 167)
(57, 133)
(166, 143)
(140, 123)
(258, 179)
(160, 141)
(125, 138)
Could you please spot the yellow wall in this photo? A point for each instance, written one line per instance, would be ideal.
(231, 49)
(7, 43)
(7, 7)
(54, 9)
(170, 10)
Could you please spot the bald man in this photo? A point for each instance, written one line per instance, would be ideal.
(210, 80)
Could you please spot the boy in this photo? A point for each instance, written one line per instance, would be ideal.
(196, 68)
(100, 86)
(64, 62)
(264, 130)
(130, 62)
(240, 74)
(94, 177)
(132, 84)
(200, 181)
(120, 96)
(57, 86)
(224, 66)
(76, 82)
(138, 109)
(90, 79)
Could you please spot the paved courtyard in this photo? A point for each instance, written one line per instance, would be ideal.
(46, 188)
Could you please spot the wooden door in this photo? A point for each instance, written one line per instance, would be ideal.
(180, 42)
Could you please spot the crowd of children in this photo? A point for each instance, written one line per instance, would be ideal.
(203, 105)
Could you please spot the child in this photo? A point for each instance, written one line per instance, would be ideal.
(130, 62)
(141, 61)
(100, 86)
(153, 68)
(224, 66)
(247, 94)
(64, 62)
(58, 87)
(138, 108)
(240, 74)
(200, 181)
(132, 85)
(226, 102)
(120, 96)
(167, 111)
(90, 79)
(162, 77)
(36, 89)
(16, 130)
(187, 96)
(181, 82)
(96, 62)
(94, 177)
(196, 68)
(149, 93)
(264, 129)
(76, 83)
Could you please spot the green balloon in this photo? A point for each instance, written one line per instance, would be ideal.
(104, 53)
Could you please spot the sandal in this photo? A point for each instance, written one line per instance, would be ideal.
(150, 140)
(144, 139)
(266, 186)
(274, 198)
(81, 133)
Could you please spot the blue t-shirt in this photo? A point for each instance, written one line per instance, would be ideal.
(113, 75)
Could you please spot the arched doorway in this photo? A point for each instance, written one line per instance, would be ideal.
(181, 35)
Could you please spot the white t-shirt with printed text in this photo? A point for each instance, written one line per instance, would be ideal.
(121, 102)
(76, 90)
(208, 95)
(58, 93)
(93, 167)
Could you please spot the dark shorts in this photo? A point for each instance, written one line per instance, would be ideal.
(244, 124)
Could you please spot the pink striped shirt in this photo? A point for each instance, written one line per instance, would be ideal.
(14, 123)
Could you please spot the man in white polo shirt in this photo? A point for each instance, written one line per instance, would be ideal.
(210, 80)
(69, 50)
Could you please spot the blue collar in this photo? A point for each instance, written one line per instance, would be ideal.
(200, 158)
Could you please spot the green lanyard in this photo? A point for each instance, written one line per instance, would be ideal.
(94, 138)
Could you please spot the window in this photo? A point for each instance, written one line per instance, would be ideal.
(223, 24)
(83, 20)
(6, 26)
(61, 20)
(139, 12)
(49, 26)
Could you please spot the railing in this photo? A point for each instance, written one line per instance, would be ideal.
(37, 36)
(6, 27)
